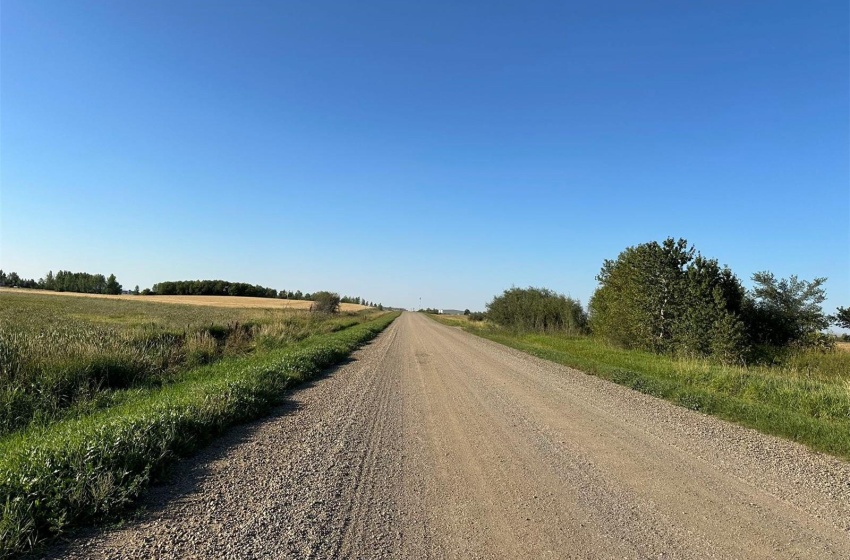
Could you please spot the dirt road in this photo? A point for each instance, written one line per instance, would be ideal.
(433, 443)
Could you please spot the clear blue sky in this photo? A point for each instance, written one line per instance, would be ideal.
(441, 150)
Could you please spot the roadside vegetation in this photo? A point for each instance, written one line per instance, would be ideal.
(99, 396)
(669, 322)
(62, 356)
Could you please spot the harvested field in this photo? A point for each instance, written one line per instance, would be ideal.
(212, 301)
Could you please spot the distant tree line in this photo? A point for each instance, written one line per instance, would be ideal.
(225, 288)
(65, 281)
(359, 301)
(431, 310)
(212, 288)
(667, 298)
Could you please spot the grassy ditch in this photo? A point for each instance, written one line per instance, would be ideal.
(62, 356)
(88, 467)
(805, 398)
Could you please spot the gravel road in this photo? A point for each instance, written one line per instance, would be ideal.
(433, 443)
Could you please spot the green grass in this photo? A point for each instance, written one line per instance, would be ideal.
(805, 397)
(62, 356)
(87, 465)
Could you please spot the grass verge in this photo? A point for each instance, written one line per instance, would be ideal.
(63, 356)
(85, 469)
(799, 401)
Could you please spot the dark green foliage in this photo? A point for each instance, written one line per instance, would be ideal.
(786, 311)
(537, 309)
(477, 316)
(212, 288)
(842, 317)
(65, 281)
(325, 302)
(12, 280)
(667, 298)
(112, 286)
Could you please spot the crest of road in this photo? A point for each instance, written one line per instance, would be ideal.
(433, 443)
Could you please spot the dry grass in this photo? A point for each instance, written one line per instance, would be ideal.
(210, 301)
(844, 346)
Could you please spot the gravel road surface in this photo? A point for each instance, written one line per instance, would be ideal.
(433, 443)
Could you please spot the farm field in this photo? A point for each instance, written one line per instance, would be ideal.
(131, 384)
(210, 301)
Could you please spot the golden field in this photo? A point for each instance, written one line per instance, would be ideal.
(211, 301)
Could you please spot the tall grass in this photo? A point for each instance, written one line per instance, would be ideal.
(62, 356)
(89, 467)
(805, 396)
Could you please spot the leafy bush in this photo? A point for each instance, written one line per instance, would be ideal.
(537, 309)
(325, 302)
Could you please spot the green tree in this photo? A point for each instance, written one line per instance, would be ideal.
(665, 297)
(842, 317)
(49, 281)
(640, 294)
(112, 286)
(786, 311)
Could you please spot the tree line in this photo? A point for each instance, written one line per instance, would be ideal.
(668, 298)
(211, 288)
(65, 281)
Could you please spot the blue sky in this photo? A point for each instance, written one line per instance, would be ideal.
(437, 150)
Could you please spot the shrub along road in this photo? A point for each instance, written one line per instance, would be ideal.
(433, 443)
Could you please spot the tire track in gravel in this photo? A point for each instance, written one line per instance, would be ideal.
(433, 443)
